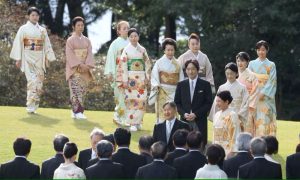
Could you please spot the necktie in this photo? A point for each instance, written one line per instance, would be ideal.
(169, 129)
(192, 90)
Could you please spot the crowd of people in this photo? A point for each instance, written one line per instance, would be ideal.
(110, 157)
(243, 108)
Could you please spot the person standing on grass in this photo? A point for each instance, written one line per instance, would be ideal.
(32, 52)
(79, 64)
(111, 66)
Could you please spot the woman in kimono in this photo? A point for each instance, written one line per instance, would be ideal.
(111, 65)
(32, 51)
(237, 90)
(78, 67)
(248, 78)
(226, 124)
(165, 75)
(133, 77)
(205, 71)
(265, 71)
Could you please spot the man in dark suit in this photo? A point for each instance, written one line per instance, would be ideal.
(193, 98)
(104, 167)
(158, 168)
(179, 141)
(20, 167)
(130, 160)
(50, 165)
(188, 164)
(164, 131)
(259, 167)
(292, 165)
(90, 153)
(231, 165)
(145, 143)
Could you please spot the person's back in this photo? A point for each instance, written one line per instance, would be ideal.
(124, 156)
(20, 167)
(259, 167)
(104, 168)
(68, 170)
(50, 165)
(158, 168)
(187, 165)
(292, 165)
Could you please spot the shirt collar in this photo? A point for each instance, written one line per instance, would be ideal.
(104, 159)
(160, 160)
(259, 157)
(194, 80)
(17, 156)
(123, 148)
(179, 148)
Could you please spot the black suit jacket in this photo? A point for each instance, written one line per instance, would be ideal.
(188, 164)
(156, 169)
(50, 165)
(231, 165)
(260, 168)
(130, 160)
(202, 102)
(92, 162)
(293, 166)
(148, 157)
(19, 168)
(105, 169)
(84, 157)
(159, 132)
(173, 155)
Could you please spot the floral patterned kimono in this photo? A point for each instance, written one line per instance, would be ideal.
(113, 57)
(240, 102)
(265, 71)
(226, 128)
(134, 69)
(205, 69)
(165, 75)
(32, 46)
(249, 79)
(78, 51)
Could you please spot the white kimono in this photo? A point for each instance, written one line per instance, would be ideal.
(240, 102)
(165, 75)
(32, 46)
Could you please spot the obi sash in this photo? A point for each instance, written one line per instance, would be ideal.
(168, 78)
(34, 44)
(136, 65)
(81, 54)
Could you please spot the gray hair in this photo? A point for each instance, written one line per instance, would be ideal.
(258, 146)
(104, 149)
(97, 131)
(243, 141)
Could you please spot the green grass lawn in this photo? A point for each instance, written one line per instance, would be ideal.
(42, 127)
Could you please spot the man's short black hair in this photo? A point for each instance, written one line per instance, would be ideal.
(59, 142)
(145, 142)
(122, 137)
(180, 137)
(22, 146)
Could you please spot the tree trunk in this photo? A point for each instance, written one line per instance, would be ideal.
(113, 30)
(59, 15)
(47, 16)
(75, 9)
(170, 23)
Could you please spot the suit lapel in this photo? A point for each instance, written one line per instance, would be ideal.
(189, 90)
(174, 128)
(164, 131)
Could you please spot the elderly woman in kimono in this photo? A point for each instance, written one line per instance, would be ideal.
(248, 78)
(205, 70)
(238, 91)
(78, 67)
(111, 66)
(226, 125)
(133, 77)
(265, 71)
(165, 75)
(32, 51)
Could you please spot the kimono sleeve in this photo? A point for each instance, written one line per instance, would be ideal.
(49, 53)
(148, 64)
(72, 60)
(110, 64)
(89, 59)
(17, 48)
(269, 88)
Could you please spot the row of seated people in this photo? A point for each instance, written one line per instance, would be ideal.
(187, 161)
